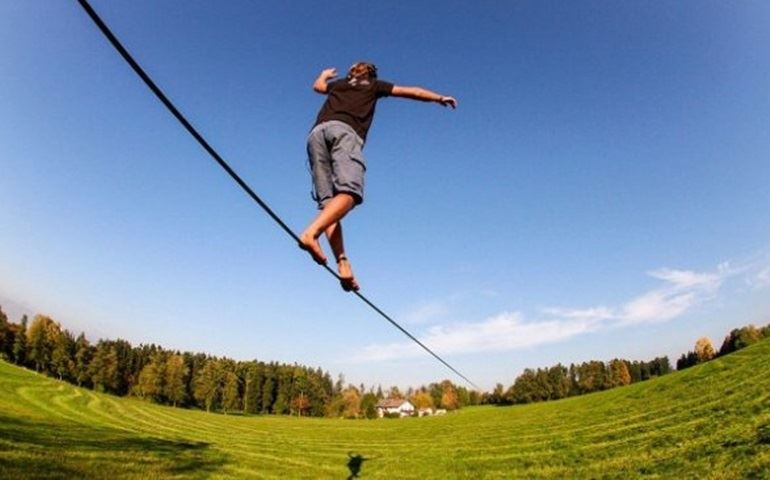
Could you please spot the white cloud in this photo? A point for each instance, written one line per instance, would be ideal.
(505, 331)
(680, 292)
(760, 280)
(588, 314)
(684, 279)
(657, 306)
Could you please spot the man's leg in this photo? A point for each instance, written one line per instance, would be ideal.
(333, 211)
(334, 235)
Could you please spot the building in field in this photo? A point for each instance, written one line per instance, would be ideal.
(394, 406)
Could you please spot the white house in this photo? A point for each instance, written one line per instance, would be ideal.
(401, 407)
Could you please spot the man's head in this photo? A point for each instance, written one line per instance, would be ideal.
(362, 70)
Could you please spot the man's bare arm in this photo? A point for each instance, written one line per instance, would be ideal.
(422, 94)
(320, 84)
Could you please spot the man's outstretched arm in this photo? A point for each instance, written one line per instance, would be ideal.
(320, 84)
(422, 94)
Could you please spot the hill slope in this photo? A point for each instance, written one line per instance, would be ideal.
(711, 420)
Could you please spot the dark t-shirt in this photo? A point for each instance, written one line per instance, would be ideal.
(353, 104)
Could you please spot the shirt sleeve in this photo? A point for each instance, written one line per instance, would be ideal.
(332, 84)
(384, 89)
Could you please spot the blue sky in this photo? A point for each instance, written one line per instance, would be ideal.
(601, 191)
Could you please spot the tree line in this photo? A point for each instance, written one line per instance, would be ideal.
(196, 380)
(737, 339)
(558, 381)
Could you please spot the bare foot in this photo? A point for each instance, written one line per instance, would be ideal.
(310, 244)
(347, 280)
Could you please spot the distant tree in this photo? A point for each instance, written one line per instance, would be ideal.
(62, 356)
(436, 391)
(174, 386)
(208, 384)
(281, 404)
(379, 394)
(268, 392)
(83, 356)
(498, 395)
(739, 338)
(351, 401)
(704, 350)
(574, 388)
(126, 366)
(748, 335)
(284, 392)
(39, 342)
(660, 366)
(369, 405)
(449, 398)
(525, 388)
(618, 373)
(559, 382)
(6, 336)
(150, 382)
(20, 343)
(339, 385)
(104, 368)
(592, 376)
(231, 399)
(422, 399)
(394, 392)
(687, 360)
(463, 397)
(300, 404)
(252, 389)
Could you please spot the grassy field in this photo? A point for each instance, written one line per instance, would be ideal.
(711, 421)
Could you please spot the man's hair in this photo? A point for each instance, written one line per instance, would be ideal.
(362, 70)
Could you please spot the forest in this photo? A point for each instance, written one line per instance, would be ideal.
(198, 380)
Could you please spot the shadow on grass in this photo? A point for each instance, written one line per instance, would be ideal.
(31, 449)
(355, 462)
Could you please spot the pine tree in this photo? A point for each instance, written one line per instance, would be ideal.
(83, 356)
(6, 336)
(268, 392)
(104, 368)
(20, 343)
(62, 363)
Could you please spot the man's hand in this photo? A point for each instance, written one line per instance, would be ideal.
(320, 83)
(448, 102)
(329, 73)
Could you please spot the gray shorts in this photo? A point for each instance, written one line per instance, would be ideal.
(336, 161)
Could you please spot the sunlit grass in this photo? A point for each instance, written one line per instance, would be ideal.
(710, 421)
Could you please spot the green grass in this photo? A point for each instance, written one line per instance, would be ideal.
(710, 421)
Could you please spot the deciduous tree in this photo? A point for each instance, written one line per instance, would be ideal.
(704, 350)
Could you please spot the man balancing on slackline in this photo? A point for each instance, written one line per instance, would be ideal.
(334, 150)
